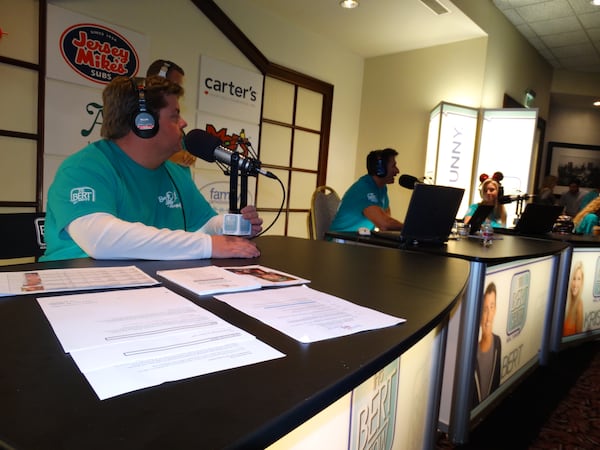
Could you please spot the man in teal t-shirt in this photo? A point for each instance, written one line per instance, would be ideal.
(366, 202)
(120, 197)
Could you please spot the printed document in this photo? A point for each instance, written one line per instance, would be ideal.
(125, 340)
(308, 315)
(56, 280)
(210, 280)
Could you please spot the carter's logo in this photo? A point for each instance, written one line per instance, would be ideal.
(98, 53)
(83, 194)
(372, 197)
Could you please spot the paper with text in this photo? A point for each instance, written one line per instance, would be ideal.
(56, 280)
(209, 280)
(308, 315)
(126, 340)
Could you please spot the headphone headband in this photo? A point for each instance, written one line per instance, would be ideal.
(164, 70)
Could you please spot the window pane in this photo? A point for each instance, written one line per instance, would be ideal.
(309, 108)
(302, 187)
(17, 169)
(275, 144)
(278, 100)
(279, 226)
(269, 191)
(19, 99)
(306, 150)
(20, 21)
(297, 225)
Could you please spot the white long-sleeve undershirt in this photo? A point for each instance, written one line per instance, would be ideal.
(104, 236)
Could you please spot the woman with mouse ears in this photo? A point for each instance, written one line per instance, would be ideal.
(490, 190)
(366, 205)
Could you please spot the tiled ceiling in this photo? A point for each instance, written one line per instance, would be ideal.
(565, 32)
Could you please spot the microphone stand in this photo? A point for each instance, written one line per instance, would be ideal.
(234, 223)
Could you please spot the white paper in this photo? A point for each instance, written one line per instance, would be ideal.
(209, 280)
(308, 315)
(267, 277)
(56, 280)
(126, 340)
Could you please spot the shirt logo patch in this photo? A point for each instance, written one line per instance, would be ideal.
(170, 200)
(372, 197)
(83, 194)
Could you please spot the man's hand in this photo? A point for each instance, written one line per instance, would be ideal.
(249, 213)
(233, 247)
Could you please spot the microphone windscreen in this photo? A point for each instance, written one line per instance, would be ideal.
(201, 144)
(408, 181)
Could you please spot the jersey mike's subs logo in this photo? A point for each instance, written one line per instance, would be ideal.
(98, 53)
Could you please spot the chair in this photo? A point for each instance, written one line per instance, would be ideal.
(22, 235)
(323, 206)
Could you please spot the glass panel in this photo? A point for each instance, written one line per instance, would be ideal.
(302, 186)
(269, 191)
(306, 150)
(309, 109)
(279, 226)
(275, 144)
(278, 100)
(20, 22)
(297, 225)
(17, 169)
(19, 99)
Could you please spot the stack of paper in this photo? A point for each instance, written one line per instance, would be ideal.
(125, 340)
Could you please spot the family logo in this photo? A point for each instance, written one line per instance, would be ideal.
(82, 194)
(517, 306)
(98, 53)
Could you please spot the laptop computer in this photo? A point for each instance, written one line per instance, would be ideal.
(479, 217)
(538, 219)
(430, 215)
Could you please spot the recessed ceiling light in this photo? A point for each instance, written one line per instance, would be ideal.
(597, 103)
(595, 2)
(348, 4)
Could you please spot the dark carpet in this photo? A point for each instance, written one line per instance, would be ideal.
(556, 408)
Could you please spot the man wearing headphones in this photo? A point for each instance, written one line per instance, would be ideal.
(121, 197)
(366, 203)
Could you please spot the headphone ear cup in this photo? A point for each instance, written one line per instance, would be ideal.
(144, 123)
(380, 169)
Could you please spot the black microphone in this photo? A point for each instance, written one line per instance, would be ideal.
(504, 199)
(408, 181)
(208, 147)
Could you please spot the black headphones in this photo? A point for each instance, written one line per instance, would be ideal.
(144, 122)
(376, 164)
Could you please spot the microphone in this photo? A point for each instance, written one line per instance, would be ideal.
(208, 147)
(408, 181)
(504, 199)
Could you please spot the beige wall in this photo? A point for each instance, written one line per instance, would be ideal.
(399, 92)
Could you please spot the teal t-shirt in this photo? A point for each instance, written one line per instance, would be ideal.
(102, 178)
(362, 194)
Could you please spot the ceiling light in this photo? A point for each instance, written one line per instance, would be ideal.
(595, 2)
(597, 103)
(348, 4)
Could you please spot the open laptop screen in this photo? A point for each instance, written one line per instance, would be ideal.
(538, 218)
(431, 213)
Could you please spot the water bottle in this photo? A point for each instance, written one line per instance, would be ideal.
(487, 233)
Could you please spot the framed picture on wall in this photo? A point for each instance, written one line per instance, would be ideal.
(568, 161)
